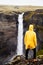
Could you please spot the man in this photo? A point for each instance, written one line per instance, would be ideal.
(30, 41)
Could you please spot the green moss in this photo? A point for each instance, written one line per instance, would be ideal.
(40, 52)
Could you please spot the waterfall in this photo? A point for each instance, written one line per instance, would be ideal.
(20, 35)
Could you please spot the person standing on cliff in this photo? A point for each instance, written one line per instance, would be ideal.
(30, 41)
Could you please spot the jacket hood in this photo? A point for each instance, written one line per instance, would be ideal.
(31, 27)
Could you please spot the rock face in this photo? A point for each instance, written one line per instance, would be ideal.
(8, 33)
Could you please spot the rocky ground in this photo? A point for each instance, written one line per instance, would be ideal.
(20, 60)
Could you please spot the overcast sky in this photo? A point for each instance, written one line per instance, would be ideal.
(22, 2)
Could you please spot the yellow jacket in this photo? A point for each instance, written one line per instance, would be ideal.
(30, 40)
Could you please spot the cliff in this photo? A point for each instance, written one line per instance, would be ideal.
(9, 26)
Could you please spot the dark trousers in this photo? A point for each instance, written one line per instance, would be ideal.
(34, 53)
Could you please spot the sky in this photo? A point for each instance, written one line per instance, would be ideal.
(22, 2)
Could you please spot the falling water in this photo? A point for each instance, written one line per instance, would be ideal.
(20, 35)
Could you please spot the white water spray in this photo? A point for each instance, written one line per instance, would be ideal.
(20, 35)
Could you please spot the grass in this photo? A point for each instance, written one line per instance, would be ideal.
(40, 53)
(7, 9)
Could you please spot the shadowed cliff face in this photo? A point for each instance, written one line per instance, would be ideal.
(8, 33)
